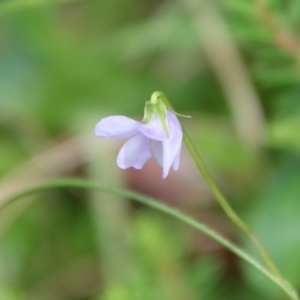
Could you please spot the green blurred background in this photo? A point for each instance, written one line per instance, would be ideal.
(233, 65)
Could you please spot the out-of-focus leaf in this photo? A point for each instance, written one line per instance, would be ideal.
(218, 141)
(275, 219)
(284, 133)
(277, 76)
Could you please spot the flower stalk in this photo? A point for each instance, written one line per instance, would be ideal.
(226, 206)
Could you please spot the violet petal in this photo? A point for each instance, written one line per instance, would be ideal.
(176, 162)
(157, 151)
(134, 153)
(172, 145)
(153, 130)
(116, 127)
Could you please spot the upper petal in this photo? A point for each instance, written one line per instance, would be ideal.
(167, 157)
(157, 151)
(116, 127)
(176, 162)
(134, 153)
(153, 130)
(172, 145)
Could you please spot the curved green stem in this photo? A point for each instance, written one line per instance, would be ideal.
(226, 206)
(77, 183)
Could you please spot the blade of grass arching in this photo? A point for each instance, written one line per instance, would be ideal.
(77, 183)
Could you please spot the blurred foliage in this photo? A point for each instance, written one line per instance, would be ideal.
(63, 66)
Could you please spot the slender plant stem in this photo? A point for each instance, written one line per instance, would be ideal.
(225, 204)
(77, 183)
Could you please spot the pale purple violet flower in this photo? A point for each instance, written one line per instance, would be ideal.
(145, 140)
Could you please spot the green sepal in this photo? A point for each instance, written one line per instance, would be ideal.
(159, 96)
(149, 112)
(159, 105)
(162, 114)
(159, 108)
